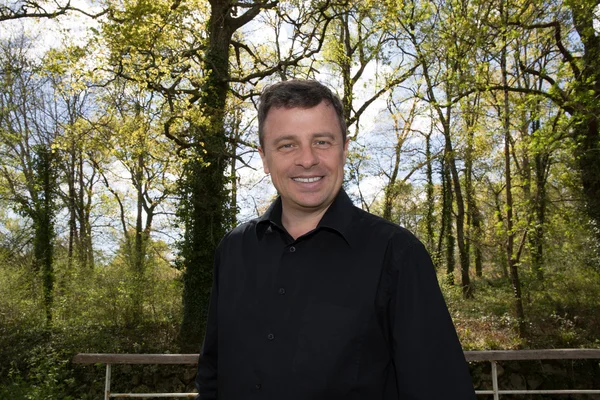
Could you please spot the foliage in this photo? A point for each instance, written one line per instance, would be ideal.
(474, 124)
(91, 309)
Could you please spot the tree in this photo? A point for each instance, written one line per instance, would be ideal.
(27, 133)
(471, 114)
(364, 40)
(572, 84)
(402, 127)
(21, 9)
(512, 256)
(187, 60)
(75, 149)
(444, 78)
(140, 170)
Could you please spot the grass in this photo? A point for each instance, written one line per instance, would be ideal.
(560, 311)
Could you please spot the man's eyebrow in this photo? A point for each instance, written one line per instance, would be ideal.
(284, 138)
(324, 134)
(317, 135)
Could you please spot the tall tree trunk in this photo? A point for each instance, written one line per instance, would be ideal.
(204, 183)
(43, 220)
(587, 113)
(588, 159)
(473, 214)
(502, 248)
(460, 212)
(439, 252)
(447, 222)
(138, 255)
(541, 161)
(450, 160)
(237, 120)
(71, 204)
(391, 188)
(478, 233)
(510, 254)
(345, 66)
(429, 217)
(540, 202)
(85, 248)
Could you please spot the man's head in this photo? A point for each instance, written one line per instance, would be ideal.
(303, 144)
(297, 93)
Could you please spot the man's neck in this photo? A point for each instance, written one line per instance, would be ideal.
(298, 222)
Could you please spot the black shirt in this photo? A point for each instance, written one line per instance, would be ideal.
(351, 310)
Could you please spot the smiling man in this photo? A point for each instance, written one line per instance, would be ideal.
(318, 299)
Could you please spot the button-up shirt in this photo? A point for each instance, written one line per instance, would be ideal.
(350, 310)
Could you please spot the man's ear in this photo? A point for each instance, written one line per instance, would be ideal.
(264, 159)
(346, 149)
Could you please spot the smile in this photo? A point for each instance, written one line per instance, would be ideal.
(308, 180)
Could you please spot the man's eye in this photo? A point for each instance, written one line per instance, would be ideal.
(286, 146)
(322, 143)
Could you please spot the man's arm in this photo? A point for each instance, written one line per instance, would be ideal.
(206, 377)
(428, 358)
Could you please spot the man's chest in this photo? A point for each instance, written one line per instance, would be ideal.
(298, 308)
(280, 278)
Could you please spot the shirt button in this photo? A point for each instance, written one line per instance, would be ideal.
(292, 249)
(258, 386)
(281, 290)
(270, 336)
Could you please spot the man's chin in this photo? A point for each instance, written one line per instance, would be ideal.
(311, 204)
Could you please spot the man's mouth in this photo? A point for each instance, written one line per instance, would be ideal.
(308, 180)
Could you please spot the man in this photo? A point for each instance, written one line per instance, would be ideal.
(318, 299)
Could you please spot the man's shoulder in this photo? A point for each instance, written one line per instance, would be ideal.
(381, 229)
(244, 228)
(239, 233)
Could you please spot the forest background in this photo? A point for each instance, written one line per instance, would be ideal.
(128, 147)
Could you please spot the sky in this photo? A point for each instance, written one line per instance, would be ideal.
(256, 190)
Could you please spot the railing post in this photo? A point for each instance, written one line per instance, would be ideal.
(107, 383)
(495, 380)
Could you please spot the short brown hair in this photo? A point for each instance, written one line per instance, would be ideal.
(301, 93)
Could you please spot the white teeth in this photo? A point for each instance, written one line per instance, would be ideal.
(307, 180)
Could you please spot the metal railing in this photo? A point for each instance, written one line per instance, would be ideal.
(110, 359)
(493, 356)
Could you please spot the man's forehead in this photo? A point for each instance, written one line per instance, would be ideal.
(296, 136)
(316, 107)
(292, 105)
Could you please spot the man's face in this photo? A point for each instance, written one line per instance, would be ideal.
(304, 152)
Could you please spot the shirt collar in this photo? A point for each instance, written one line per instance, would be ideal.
(338, 216)
(271, 217)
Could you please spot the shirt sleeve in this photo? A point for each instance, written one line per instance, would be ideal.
(206, 376)
(428, 358)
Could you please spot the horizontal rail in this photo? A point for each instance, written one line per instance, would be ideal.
(525, 391)
(521, 355)
(484, 355)
(146, 395)
(91, 358)
(492, 356)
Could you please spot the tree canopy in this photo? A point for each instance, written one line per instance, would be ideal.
(474, 124)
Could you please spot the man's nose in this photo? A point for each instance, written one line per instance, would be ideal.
(307, 157)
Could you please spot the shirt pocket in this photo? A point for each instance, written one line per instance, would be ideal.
(328, 350)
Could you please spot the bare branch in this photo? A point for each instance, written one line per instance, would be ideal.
(167, 130)
(558, 39)
(33, 9)
(388, 86)
(236, 23)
